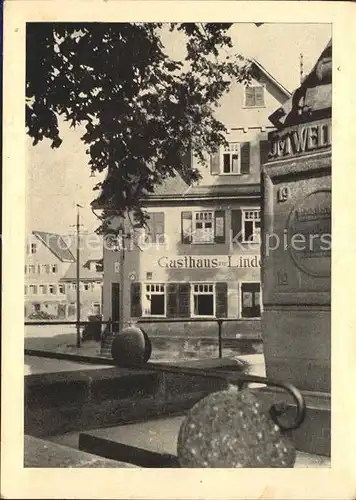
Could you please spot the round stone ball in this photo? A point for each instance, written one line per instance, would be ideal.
(230, 429)
(131, 347)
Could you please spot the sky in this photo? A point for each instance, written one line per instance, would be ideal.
(58, 179)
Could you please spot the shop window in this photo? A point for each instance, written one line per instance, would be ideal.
(154, 300)
(250, 300)
(203, 299)
(254, 96)
(203, 227)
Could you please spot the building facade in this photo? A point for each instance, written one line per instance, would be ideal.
(199, 258)
(50, 279)
(48, 258)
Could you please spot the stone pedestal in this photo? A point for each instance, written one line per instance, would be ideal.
(296, 256)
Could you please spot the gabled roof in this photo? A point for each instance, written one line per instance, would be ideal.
(56, 244)
(85, 274)
(257, 65)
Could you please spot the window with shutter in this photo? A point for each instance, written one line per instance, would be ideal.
(203, 295)
(254, 96)
(136, 308)
(245, 158)
(186, 227)
(230, 160)
(221, 299)
(220, 226)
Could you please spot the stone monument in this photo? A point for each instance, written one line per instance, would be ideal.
(296, 250)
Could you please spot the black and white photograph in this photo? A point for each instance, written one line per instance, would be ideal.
(177, 255)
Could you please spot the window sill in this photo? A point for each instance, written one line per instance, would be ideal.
(253, 107)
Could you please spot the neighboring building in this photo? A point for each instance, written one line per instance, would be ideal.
(50, 278)
(48, 258)
(91, 281)
(206, 263)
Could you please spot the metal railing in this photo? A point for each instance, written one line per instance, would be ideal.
(110, 325)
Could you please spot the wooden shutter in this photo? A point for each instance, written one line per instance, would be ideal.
(249, 97)
(172, 300)
(187, 226)
(136, 308)
(245, 158)
(260, 96)
(215, 163)
(219, 230)
(264, 149)
(184, 300)
(178, 300)
(236, 224)
(221, 300)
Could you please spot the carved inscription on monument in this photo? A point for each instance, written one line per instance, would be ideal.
(309, 229)
(300, 139)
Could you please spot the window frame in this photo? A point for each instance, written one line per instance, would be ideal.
(221, 159)
(61, 285)
(194, 228)
(255, 85)
(253, 318)
(54, 288)
(33, 248)
(144, 292)
(192, 295)
(244, 219)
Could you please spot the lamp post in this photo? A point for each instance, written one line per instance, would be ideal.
(78, 275)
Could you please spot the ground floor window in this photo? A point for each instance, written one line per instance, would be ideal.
(154, 299)
(197, 299)
(250, 300)
(203, 299)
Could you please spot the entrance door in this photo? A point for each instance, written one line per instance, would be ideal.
(115, 305)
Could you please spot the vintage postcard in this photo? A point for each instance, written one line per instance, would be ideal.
(178, 250)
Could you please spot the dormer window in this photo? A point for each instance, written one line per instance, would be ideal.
(254, 96)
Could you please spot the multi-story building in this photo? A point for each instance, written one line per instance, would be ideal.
(200, 257)
(51, 278)
(48, 258)
(91, 280)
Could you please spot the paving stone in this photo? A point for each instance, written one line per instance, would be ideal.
(42, 453)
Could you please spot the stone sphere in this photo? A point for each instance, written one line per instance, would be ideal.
(230, 429)
(131, 347)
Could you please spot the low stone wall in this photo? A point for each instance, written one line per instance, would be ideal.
(56, 403)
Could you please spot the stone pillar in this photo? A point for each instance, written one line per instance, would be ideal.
(296, 251)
